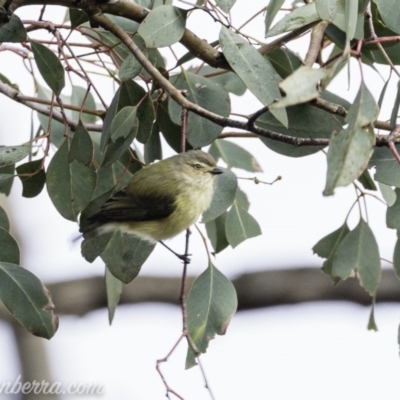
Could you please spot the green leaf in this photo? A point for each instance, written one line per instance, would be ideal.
(234, 156)
(305, 121)
(351, 15)
(124, 123)
(253, 69)
(81, 148)
(327, 247)
(153, 149)
(326, 9)
(4, 222)
(272, 10)
(298, 18)
(33, 183)
(396, 258)
(393, 213)
(78, 183)
(225, 5)
(359, 251)
(206, 94)
(9, 250)
(216, 233)
(300, 87)
(12, 154)
(224, 195)
(284, 61)
(77, 17)
(49, 67)
(130, 68)
(395, 109)
(388, 194)
(78, 96)
(389, 11)
(125, 254)
(210, 305)
(6, 179)
(28, 300)
(163, 26)
(350, 150)
(114, 290)
(387, 167)
(366, 180)
(240, 225)
(13, 31)
(371, 321)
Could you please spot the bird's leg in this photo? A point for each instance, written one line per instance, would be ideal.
(183, 257)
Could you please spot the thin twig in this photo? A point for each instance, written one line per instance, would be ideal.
(317, 36)
(391, 139)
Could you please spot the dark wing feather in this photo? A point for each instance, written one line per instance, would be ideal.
(122, 207)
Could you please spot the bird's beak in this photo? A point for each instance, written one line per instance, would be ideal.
(216, 171)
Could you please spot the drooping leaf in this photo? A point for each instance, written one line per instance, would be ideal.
(81, 148)
(163, 26)
(350, 150)
(207, 94)
(70, 185)
(33, 178)
(130, 68)
(253, 69)
(225, 5)
(240, 225)
(389, 11)
(366, 180)
(351, 16)
(395, 109)
(9, 250)
(11, 154)
(371, 321)
(359, 252)
(28, 300)
(298, 18)
(387, 167)
(393, 213)
(153, 149)
(114, 290)
(4, 222)
(216, 233)
(284, 61)
(272, 10)
(49, 67)
(13, 31)
(124, 123)
(326, 9)
(388, 194)
(77, 17)
(210, 305)
(224, 195)
(6, 178)
(125, 254)
(234, 156)
(327, 247)
(305, 121)
(300, 87)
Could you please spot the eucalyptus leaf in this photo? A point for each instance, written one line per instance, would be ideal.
(13, 31)
(11, 154)
(216, 233)
(210, 305)
(253, 69)
(9, 250)
(225, 5)
(33, 178)
(4, 222)
(224, 195)
(206, 94)
(163, 26)
(388, 194)
(113, 290)
(28, 300)
(49, 67)
(326, 9)
(82, 147)
(240, 225)
(124, 123)
(272, 10)
(78, 183)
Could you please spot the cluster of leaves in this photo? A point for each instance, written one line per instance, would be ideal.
(87, 167)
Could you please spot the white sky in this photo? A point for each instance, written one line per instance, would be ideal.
(307, 351)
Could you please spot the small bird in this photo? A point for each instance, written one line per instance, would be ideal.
(161, 200)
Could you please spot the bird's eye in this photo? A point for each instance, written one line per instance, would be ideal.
(197, 166)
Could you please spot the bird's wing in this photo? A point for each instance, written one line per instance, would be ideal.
(122, 207)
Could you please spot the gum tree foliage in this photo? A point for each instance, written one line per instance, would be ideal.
(93, 143)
